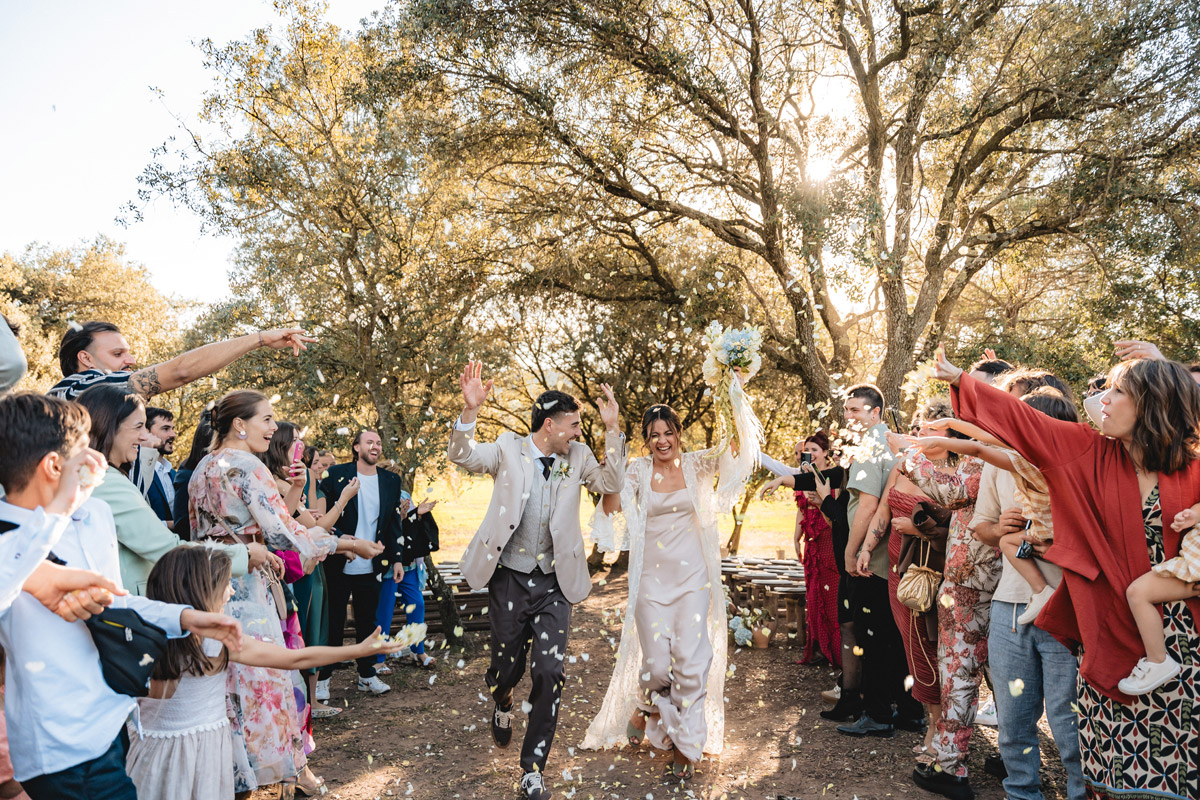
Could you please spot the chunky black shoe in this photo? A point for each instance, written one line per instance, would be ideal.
(994, 765)
(842, 712)
(932, 779)
(502, 726)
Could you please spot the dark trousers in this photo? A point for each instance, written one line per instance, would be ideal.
(363, 591)
(528, 611)
(101, 778)
(884, 665)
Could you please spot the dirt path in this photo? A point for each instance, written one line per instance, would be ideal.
(431, 740)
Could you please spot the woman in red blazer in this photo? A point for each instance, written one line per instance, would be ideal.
(1109, 493)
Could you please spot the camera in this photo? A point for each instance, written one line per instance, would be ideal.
(806, 458)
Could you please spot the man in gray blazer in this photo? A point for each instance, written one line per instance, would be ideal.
(529, 550)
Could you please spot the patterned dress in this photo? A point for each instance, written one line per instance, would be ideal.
(964, 605)
(821, 577)
(1149, 750)
(232, 491)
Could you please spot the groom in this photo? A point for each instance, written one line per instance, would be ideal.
(529, 550)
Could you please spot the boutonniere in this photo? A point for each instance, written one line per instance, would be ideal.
(563, 470)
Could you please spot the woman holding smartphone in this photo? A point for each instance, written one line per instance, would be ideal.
(815, 483)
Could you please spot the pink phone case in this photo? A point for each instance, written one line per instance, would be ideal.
(297, 452)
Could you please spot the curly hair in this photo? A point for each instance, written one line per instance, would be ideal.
(1166, 436)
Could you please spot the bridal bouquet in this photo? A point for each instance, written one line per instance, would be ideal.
(728, 349)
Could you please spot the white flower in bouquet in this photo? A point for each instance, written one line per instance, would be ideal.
(729, 349)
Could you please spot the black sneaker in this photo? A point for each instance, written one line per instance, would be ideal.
(932, 779)
(502, 726)
(842, 712)
(532, 787)
(994, 765)
(917, 725)
(868, 727)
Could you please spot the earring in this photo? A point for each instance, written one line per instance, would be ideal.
(241, 434)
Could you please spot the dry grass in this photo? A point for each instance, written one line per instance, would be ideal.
(463, 500)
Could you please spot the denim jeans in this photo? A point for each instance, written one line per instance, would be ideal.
(1048, 673)
(101, 778)
(409, 592)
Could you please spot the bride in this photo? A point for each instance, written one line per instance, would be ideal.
(668, 683)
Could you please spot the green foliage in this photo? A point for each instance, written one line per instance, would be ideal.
(46, 290)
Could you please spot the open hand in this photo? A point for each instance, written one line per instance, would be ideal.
(426, 507)
(770, 488)
(943, 369)
(609, 410)
(1132, 348)
(898, 442)
(283, 338)
(376, 644)
(223, 628)
(474, 391)
(349, 492)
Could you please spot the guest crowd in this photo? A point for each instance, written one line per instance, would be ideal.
(1000, 539)
(239, 563)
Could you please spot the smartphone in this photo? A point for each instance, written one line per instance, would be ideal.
(895, 420)
(806, 458)
(297, 451)
(1026, 549)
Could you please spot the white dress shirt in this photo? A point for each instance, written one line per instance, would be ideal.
(59, 710)
(23, 548)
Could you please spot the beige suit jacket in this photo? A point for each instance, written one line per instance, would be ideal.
(511, 464)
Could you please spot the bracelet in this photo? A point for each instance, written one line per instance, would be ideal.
(260, 341)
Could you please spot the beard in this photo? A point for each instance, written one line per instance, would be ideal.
(370, 459)
(167, 447)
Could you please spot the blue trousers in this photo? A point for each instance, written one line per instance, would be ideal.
(1047, 674)
(408, 590)
(101, 778)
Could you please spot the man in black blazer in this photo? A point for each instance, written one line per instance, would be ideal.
(375, 516)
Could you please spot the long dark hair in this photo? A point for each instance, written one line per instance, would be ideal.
(109, 405)
(201, 443)
(278, 457)
(1166, 435)
(238, 404)
(191, 576)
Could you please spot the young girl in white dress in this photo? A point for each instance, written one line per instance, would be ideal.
(182, 747)
(667, 687)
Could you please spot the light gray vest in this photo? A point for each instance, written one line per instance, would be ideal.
(531, 547)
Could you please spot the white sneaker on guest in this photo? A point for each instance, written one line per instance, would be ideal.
(986, 715)
(1149, 675)
(373, 685)
(1036, 604)
(323, 690)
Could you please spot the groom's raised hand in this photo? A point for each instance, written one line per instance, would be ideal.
(474, 390)
(609, 410)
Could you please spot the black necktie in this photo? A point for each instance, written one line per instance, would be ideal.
(546, 462)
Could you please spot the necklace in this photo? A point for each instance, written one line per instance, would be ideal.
(940, 462)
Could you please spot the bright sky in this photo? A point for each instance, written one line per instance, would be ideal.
(80, 122)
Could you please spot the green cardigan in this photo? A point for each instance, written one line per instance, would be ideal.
(142, 538)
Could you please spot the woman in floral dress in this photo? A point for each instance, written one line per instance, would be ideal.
(233, 498)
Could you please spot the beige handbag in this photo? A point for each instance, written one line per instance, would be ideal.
(919, 584)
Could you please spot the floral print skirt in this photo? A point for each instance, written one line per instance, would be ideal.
(268, 742)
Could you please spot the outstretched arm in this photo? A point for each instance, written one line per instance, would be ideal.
(206, 360)
(254, 653)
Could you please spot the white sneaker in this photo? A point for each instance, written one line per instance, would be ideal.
(533, 788)
(373, 685)
(323, 690)
(1036, 604)
(832, 695)
(986, 715)
(1149, 675)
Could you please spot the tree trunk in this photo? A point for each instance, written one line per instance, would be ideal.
(443, 595)
(739, 518)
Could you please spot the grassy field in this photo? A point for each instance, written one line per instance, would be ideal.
(462, 501)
